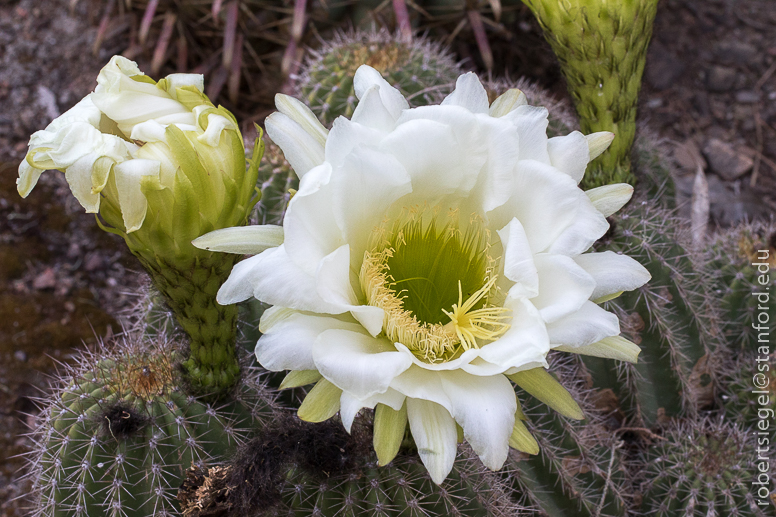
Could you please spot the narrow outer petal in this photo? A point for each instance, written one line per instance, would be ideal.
(434, 432)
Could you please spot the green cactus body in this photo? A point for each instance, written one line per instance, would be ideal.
(742, 399)
(672, 318)
(276, 180)
(117, 438)
(601, 46)
(420, 70)
(580, 469)
(703, 469)
(401, 488)
(738, 258)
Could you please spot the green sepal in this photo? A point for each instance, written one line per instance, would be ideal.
(615, 347)
(321, 403)
(191, 97)
(522, 439)
(187, 157)
(389, 430)
(141, 78)
(542, 385)
(297, 378)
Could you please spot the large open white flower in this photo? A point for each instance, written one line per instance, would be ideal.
(430, 256)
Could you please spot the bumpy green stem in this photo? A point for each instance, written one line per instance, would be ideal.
(190, 289)
(601, 46)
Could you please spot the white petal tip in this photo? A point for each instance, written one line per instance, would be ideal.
(598, 143)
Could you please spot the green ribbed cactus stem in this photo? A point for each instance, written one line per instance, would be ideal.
(744, 401)
(704, 469)
(117, 436)
(277, 181)
(580, 468)
(673, 319)
(189, 288)
(739, 259)
(602, 47)
(421, 70)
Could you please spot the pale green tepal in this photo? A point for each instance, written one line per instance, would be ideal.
(161, 165)
(602, 47)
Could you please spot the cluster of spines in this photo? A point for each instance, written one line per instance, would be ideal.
(702, 469)
(421, 70)
(116, 437)
(737, 258)
(277, 181)
(673, 319)
(580, 468)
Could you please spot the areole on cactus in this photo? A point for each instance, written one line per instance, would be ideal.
(162, 166)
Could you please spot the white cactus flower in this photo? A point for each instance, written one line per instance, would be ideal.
(430, 256)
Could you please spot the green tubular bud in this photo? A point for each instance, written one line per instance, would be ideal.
(117, 436)
(421, 70)
(601, 46)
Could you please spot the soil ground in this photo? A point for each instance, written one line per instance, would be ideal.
(710, 83)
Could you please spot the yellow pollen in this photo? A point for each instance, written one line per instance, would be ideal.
(487, 323)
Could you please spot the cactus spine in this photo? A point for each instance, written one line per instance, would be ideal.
(118, 435)
(703, 469)
(738, 258)
(672, 318)
(602, 47)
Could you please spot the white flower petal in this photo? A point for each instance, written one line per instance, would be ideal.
(613, 273)
(216, 124)
(345, 135)
(302, 115)
(79, 177)
(588, 226)
(614, 347)
(288, 343)
(569, 154)
(28, 178)
(434, 432)
(302, 150)
(518, 260)
(468, 93)
(485, 408)
(357, 362)
(437, 161)
(507, 102)
(610, 198)
(350, 405)
(524, 343)
(273, 278)
(531, 123)
(176, 81)
(333, 286)
(563, 286)
(371, 112)
(589, 324)
(244, 240)
(129, 178)
(393, 100)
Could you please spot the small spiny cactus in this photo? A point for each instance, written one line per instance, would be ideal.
(704, 469)
(738, 259)
(749, 389)
(421, 71)
(117, 436)
(277, 181)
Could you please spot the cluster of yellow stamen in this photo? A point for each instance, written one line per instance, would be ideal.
(432, 342)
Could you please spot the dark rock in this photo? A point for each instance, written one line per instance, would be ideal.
(721, 79)
(747, 97)
(725, 160)
(663, 68)
(736, 52)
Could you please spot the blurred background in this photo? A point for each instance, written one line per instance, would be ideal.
(709, 91)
